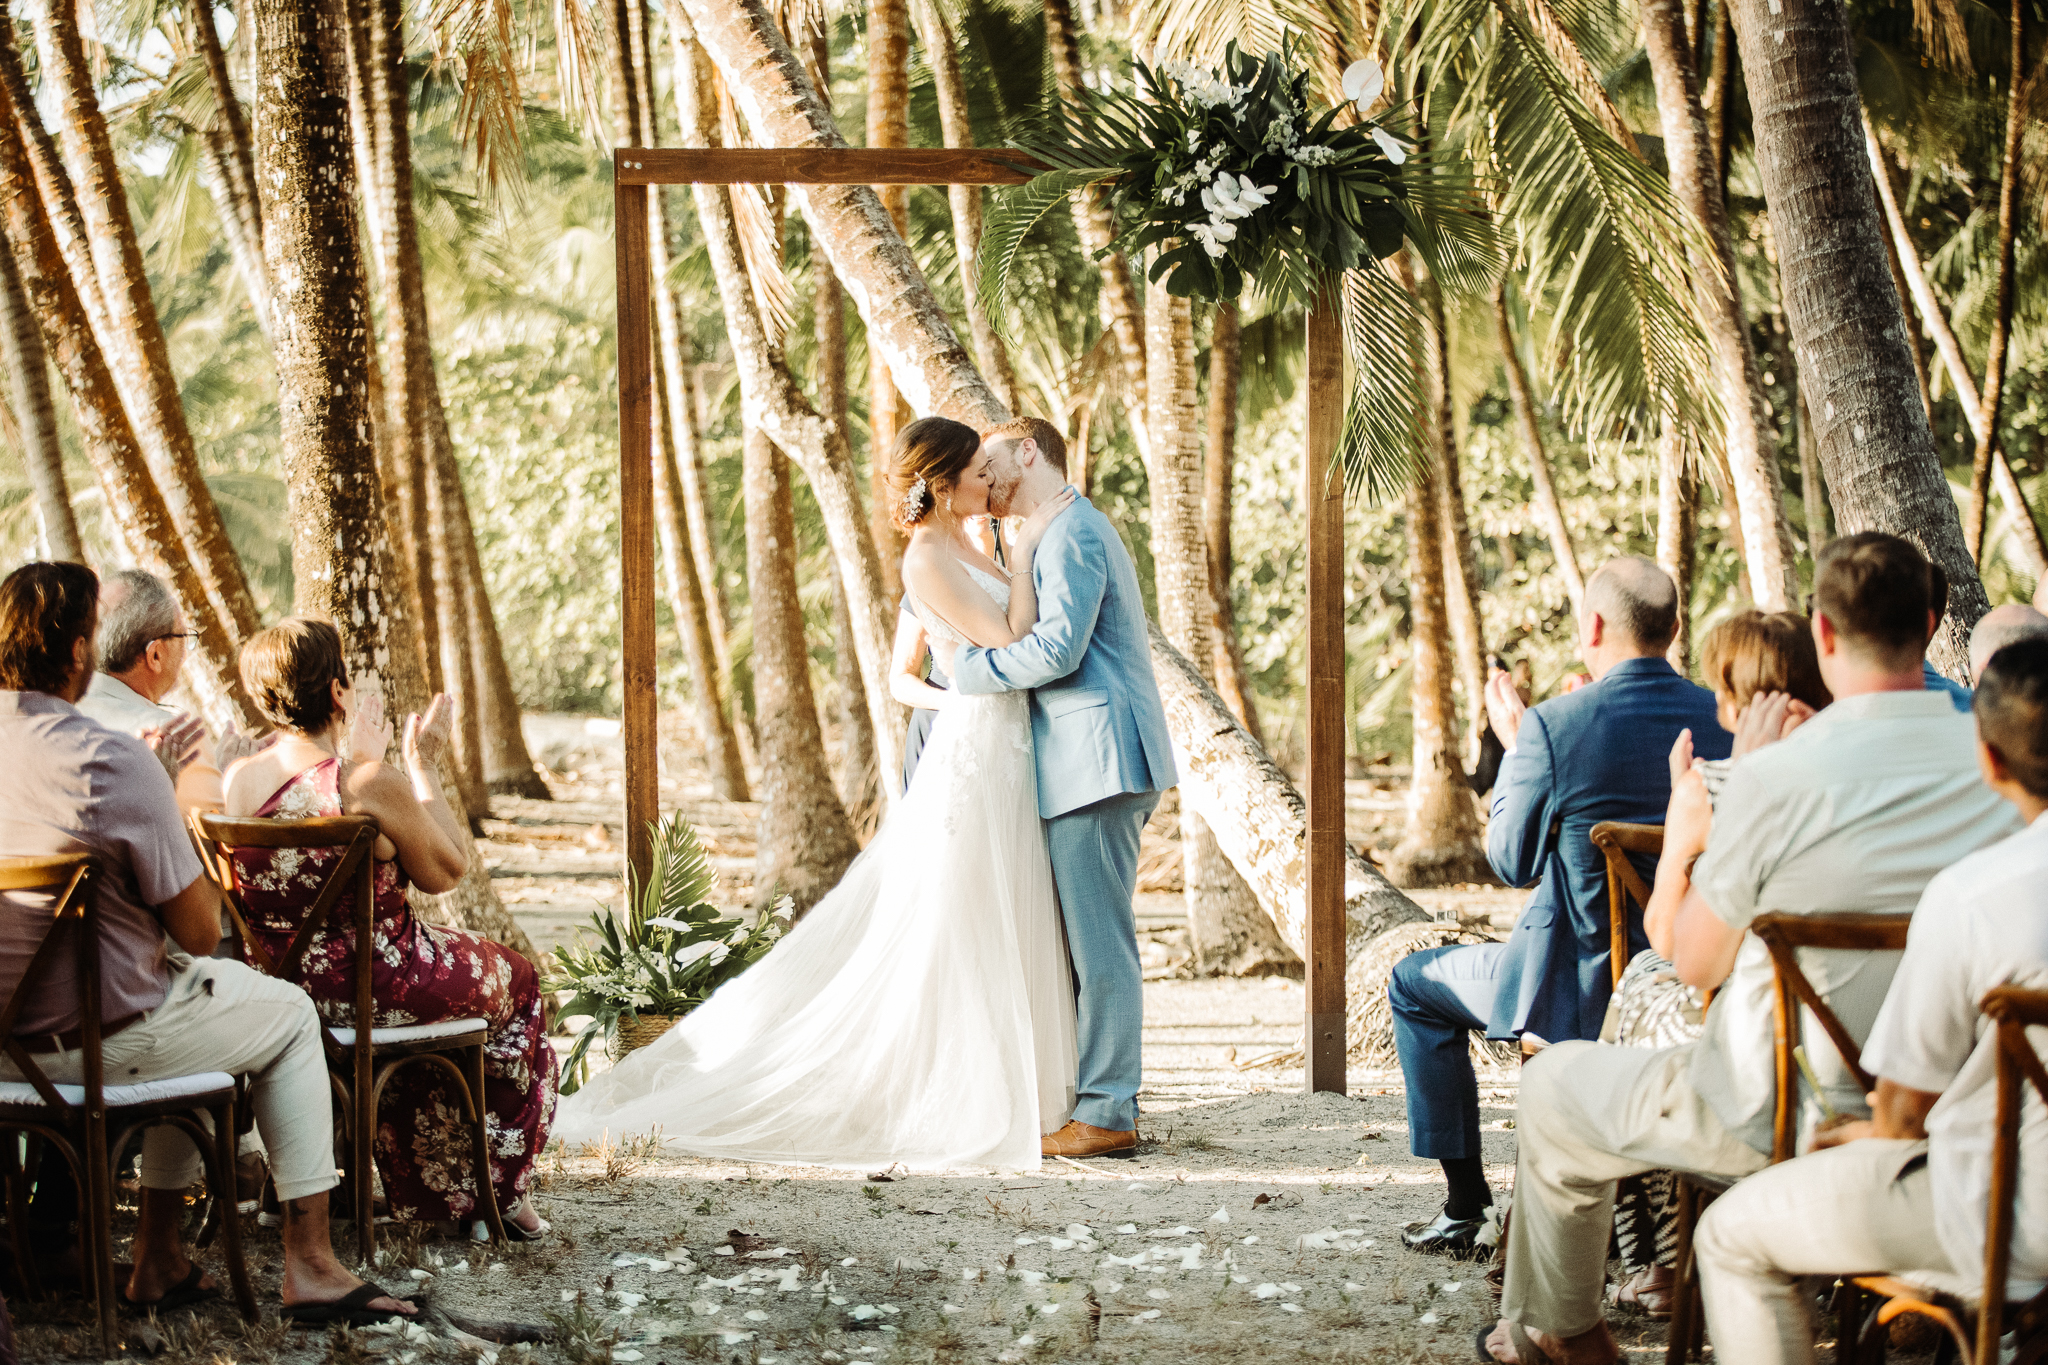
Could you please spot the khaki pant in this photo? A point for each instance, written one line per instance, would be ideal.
(1590, 1114)
(1863, 1207)
(224, 1016)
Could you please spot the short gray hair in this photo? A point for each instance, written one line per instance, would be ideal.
(1635, 594)
(136, 609)
(2002, 626)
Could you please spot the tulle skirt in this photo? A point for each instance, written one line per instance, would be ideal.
(921, 1013)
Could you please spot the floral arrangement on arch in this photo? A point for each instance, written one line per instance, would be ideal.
(665, 956)
(1229, 172)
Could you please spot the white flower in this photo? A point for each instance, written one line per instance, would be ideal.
(669, 922)
(696, 952)
(784, 908)
(1314, 155)
(1212, 236)
(1233, 197)
(1396, 153)
(1363, 82)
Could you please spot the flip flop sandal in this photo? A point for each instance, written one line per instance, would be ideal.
(184, 1294)
(1527, 1351)
(351, 1310)
(480, 1231)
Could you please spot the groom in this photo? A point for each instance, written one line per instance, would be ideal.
(1103, 758)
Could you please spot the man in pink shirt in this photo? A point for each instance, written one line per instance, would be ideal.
(72, 785)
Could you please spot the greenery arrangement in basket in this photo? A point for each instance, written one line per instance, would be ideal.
(668, 953)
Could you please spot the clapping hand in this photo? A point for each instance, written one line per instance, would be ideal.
(234, 745)
(176, 742)
(426, 737)
(1504, 707)
(369, 732)
(1769, 717)
(1689, 817)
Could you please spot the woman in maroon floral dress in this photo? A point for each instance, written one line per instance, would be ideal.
(328, 761)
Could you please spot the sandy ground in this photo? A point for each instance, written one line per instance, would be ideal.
(1255, 1222)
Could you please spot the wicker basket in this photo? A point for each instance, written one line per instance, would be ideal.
(637, 1032)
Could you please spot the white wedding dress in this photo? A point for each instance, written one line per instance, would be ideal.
(922, 1012)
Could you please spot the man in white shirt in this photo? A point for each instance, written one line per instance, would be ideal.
(1907, 1190)
(141, 648)
(1856, 810)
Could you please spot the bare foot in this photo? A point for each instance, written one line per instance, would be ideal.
(330, 1283)
(1595, 1347)
(155, 1276)
(526, 1218)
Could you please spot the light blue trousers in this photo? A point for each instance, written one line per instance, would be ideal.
(1095, 866)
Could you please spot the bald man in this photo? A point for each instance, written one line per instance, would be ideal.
(1597, 753)
(1999, 627)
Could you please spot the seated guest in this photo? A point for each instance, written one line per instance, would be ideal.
(1999, 627)
(423, 973)
(1857, 809)
(141, 648)
(71, 785)
(1749, 655)
(1907, 1190)
(1595, 754)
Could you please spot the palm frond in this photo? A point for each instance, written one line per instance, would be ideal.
(1383, 343)
(1011, 219)
(478, 34)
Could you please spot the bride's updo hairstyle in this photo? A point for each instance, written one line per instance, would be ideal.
(928, 459)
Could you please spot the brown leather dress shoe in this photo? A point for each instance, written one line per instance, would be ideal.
(1084, 1139)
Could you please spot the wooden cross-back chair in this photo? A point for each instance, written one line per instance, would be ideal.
(360, 1061)
(1977, 1329)
(1783, 936)
(1617, 839)
(88, 1124)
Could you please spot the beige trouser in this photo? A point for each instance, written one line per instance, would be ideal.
(1590, 1114)
(224, 1016)
(1865, 1206)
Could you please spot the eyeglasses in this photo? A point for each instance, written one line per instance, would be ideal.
(176, 635)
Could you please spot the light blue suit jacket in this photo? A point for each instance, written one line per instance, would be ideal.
(1095, 712)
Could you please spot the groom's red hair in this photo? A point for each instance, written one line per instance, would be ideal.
(1050, 443)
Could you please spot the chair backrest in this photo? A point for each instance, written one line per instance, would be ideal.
(67, 880)
(1784, 935)
(356, 836)
(1616, 840)
(2012, 1010)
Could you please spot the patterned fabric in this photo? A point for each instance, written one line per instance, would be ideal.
(1653, 1009)
(420, 973)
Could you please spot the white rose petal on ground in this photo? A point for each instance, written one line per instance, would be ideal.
(756, 1315)
(1427, 1319)
(1157, 1294)
(1220, 1216)
(1290, 1308)
(1126, 1228)
(1149, 1314)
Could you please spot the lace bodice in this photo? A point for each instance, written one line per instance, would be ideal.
(936, 628)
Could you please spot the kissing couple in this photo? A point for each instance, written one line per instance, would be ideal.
(969, 994)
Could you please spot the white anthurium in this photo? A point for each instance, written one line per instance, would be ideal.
(697, 951)
(1363, 82)
(1396, 153)
(670, 922)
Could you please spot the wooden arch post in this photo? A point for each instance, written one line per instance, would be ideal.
(634, 171)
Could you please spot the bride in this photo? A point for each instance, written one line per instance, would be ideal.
(923, 1011)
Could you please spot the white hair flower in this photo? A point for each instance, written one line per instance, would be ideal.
(913, 500)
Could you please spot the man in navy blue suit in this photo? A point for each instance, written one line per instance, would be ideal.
(1599, 753)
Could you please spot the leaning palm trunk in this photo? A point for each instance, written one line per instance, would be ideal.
(1696, 184)
(232, 169)
(772, 400)
(1460, 564)
(2033, 549)
(1878, 454)
(1227, 778)
(1228, 932)
(1677, 524)
(28, 374)
(888, 126)
(131, 494)
(1548, 510)
(805, 842)
(341, 549)
(133, 339)
(2017, 89)
(1226, 370)
(944, 59)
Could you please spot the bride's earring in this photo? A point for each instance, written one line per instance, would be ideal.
(949, 504)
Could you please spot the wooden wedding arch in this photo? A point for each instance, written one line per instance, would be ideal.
(635, 170)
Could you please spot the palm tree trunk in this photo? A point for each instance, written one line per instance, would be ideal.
(1225, 776)
(1226, 371)
(958, 130)
(703, 530)
(2032, 546)
(1548, 511)
(1714, 100)
(1677, 532)
(2001, 316)
(232, 169)
(888, 126)
(1096, 229)
(53, 183)
(772, 400)
(860, 777)
(131, 495)
(1229, 933)
(341, 548)
(1441, 844)
(28, 374)
(218, 175)
(805, 842)
(1878, 454)
(134, 337)
(1460, 568)
(1696, 183)
(1812, 485)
